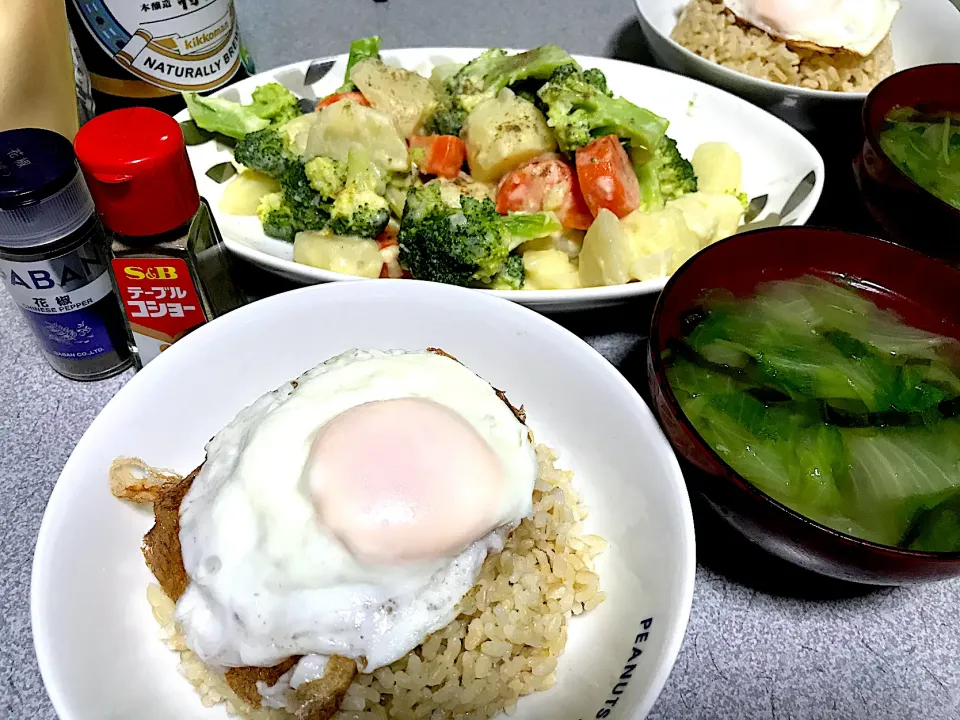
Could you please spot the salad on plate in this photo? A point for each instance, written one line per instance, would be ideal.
(512, 171)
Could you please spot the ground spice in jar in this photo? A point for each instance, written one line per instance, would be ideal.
(169, 262)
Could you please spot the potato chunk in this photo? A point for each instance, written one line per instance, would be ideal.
(641, 246)
(243, 194)
(661, 242)
(404, 95)
(718, 168)
(711, 216)
(346, 125)
(550, 269)
(607, 253)
(297, 131)
(502, 133)
(348, 255)
(568, 240)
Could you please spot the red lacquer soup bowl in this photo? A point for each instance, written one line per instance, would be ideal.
(923, 291)
(908, 213)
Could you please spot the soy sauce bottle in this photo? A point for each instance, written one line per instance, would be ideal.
(145, 53)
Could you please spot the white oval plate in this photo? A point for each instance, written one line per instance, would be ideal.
(924, 32)
(775, 158)
(96, 640)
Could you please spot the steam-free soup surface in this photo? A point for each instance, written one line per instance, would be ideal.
(830, 405)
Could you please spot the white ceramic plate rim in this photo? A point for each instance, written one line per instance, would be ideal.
(584, 296)
(57, 504)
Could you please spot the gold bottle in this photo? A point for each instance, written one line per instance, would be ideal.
(37, 82)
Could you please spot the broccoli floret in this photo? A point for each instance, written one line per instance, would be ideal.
(362, 49)
(485, 76)
(465, 244)
(473, 78)
(277, 217)
(326, 175)
(510, 276)
(311, 209)
(665, 176)
(275, 103)
(359, 213)
(295, 208)
(591, 76)
(360, 210)
(595, 77)
(296, 186)
(673, 170)
(448, 118)
(494, 70)
(264, 151)
(579, 109)
(455, 245)
(298, 206)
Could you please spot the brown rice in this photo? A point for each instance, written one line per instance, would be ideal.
(710, 30)
(505, 643)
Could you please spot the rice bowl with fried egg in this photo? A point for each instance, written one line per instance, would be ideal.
(487, 625)
(740, 35)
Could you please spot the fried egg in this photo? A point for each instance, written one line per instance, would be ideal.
(349, 512)
(856, 26)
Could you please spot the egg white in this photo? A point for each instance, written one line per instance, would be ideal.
(267, 581)
(857, 26)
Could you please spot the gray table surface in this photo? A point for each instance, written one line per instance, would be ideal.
(764, 641)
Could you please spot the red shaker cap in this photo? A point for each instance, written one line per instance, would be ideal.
(136, 165)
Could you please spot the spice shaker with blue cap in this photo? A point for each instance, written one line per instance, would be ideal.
(53, 256)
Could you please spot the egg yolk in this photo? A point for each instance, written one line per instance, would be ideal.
(404, 480)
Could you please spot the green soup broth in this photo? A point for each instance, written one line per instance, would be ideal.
(831, 405)
(926, 147)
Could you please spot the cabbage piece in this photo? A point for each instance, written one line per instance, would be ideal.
(936, 529)
(272, 104)
(810, 339)
(896, 472)
(844, 309)
(768, 379)
(223, 116)
(927, 150)
(781, 449)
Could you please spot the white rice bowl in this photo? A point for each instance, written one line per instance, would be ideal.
(96, 636)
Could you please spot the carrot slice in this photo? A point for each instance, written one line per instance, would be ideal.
(337, 97)
(390, 252)
(442, 155)
(607, 177)
(545, 183)
(388, 237)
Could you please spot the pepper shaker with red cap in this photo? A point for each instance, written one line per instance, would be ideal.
(169, 262)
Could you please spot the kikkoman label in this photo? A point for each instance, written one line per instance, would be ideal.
(177, 45)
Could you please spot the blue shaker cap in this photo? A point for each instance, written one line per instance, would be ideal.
(43, 196)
